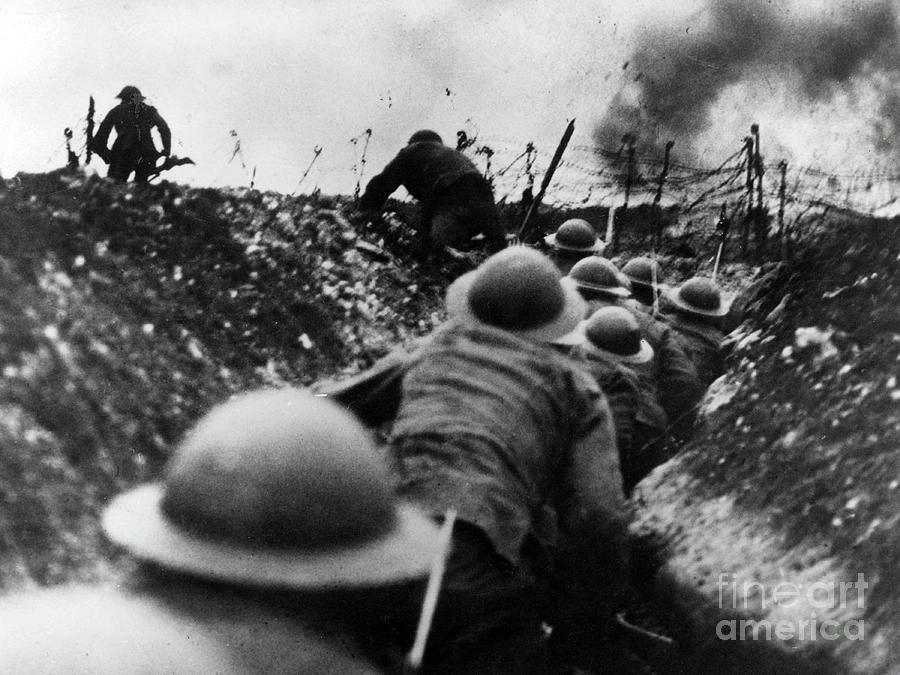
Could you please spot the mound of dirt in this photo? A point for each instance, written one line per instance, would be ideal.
(783, 510)
(128, 310)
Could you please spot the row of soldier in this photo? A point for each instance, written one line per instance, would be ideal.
(284, 538)
(279, 542)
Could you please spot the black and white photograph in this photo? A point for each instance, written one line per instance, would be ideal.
(449, 337)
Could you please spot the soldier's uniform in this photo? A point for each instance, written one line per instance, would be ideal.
(134, 149)
(276, 530)
(457, 202)
(669, 389)
(491, 421)
(670, 378)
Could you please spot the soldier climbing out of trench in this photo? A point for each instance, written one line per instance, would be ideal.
(457, 201)
(133, 151)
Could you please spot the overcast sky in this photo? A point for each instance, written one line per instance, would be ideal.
(291, 76)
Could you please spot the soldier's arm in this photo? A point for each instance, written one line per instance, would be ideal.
(101, 137)
(165, 133)
(592, 562)
(595, 503)
(381, 186)
(680, 389)
(374, 395)
(622, 396)
(592, 508)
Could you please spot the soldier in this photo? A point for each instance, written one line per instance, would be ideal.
(457, 201)
(620, 359)
(492, 422)
(693, 310)
(134, 149)
(670, 379)
(599, 282)
(276, 529)
(574, 240)
(644, 275)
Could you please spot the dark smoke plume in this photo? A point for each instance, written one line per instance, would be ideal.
(675, 80)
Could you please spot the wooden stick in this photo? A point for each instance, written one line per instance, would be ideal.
(89, 131)
(718, 258)
(438, 565)
(548, 176)
(610, 224)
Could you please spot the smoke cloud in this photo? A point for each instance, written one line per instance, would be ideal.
(674, 80)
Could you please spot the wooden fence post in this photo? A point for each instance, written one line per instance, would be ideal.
(629, 141)
(657, 198)
(782, 191)
(760, 219)
(745, 231)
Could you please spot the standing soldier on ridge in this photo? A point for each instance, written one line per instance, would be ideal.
(133, 150)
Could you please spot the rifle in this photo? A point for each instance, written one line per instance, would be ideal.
(89, 131)
(171, 162)
(547, 176)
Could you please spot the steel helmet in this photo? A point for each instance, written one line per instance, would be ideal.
(576, 235)
(614, 331)
(276, 488)
(599, 275)
(128, 92)
(699, 296)
(425, 136)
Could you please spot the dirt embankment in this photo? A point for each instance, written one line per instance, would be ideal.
(789, 493)
(127, 311)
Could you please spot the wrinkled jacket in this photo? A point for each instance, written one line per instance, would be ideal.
(424, 169)
(670, 377)
(507, 431)
(132, 124)
(621, 387)
(702, 343)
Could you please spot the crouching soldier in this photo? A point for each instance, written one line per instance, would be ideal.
(646, 282)
(620, 359)
(694, 310)
(275, 529)
(457, 201)
(670, 379)
(493, 422)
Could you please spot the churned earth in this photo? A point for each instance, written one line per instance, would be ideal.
(128, 310)
(785, 506)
